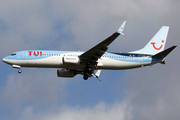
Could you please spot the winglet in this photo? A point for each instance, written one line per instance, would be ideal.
(97, 74)
(120, 30)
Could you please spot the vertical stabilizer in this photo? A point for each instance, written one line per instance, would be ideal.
(156, 44)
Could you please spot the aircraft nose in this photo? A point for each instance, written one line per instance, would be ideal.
(7, 60)
(4, 60)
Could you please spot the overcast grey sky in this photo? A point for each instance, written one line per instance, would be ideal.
(145, 93)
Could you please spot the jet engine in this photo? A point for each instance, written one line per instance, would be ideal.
(71, 60)
(65, 73)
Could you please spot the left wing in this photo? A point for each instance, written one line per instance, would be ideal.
(92, 55)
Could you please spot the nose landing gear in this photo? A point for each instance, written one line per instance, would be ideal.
(18, 67)
(19, 71)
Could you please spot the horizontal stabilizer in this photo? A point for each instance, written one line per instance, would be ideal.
(164, 53)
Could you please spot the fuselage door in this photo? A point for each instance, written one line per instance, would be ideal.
(24, 54)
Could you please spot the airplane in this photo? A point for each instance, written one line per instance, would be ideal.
(71, 63)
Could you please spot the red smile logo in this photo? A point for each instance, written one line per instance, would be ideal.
(153, 43)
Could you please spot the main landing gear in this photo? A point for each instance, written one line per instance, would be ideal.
(85, 77)
(87, 72)
(91, 74)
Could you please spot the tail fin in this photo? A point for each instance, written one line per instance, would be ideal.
(156, 44)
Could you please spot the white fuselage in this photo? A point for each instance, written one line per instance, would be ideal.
(55, 59)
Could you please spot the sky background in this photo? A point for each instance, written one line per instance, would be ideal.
(149, 93)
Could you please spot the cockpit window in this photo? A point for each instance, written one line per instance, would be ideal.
(13, 54)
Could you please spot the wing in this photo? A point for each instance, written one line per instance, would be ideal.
(92, 55)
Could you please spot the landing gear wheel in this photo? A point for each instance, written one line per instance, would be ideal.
(85, 77)
(19, 71)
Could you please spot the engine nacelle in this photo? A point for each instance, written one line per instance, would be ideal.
(65, 73)
(71, 60)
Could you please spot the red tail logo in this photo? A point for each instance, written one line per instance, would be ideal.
(153, 43)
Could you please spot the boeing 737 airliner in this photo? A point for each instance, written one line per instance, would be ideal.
(70, 63)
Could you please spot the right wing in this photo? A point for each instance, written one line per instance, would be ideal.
(92, 55)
